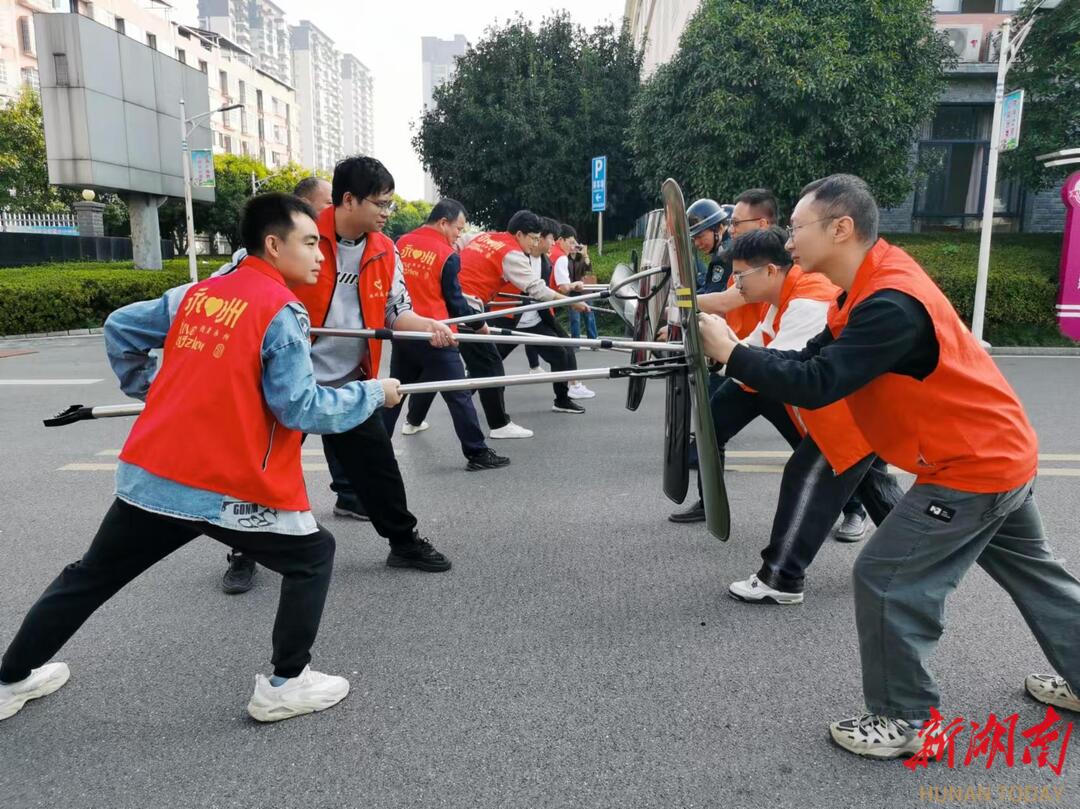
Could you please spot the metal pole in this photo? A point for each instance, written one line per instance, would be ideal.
(979, 313)
(600, 236)
(186, 160)
(254, 188)
(503, 336)
(479, 383)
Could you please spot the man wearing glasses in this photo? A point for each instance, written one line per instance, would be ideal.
(928, 398)
(362, 286)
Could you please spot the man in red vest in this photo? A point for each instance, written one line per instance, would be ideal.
(363, 286)
(216, 452)
(431, 266)
(929, 400)
(493, 263)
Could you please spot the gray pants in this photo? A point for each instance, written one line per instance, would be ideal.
(917, 557)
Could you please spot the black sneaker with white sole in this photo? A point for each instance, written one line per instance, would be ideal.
(567, 405)
(418, 554)
(350, 507)
(486, 460)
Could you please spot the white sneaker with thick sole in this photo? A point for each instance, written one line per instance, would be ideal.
(579, 391)
(409, 429)
(755, 591)
(876, 736)
(536, 370)
(1052, 690)
(511, 430)
(308, 692)
(41, 682)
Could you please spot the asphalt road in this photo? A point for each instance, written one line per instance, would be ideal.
(582, 653)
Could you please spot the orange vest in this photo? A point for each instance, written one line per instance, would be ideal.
(423, 253)
(481, 273)
(376, 277)
(832, 427)
(961, 427)
(745, 318)
(555, 254)
(206, 424)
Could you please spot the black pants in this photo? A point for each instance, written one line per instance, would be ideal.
(559, 358)
(362, 465)
(482, 359)
(130, 541)
(811, 496)
(420, 362)
(733, 408)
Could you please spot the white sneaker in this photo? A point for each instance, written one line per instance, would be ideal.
(41, 682)
(876, 736)
(754, 590)
(308, 692)
(511, 430)
(536, 370)
(1053, 691)
(409, 429)
(579, 391)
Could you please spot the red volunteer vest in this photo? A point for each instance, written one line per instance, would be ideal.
(376, 276)
(481, 273)
(832, 427)
(555, 254)
(962, 426)
(423, 253)
(206, 424)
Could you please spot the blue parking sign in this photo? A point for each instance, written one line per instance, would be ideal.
(599, 183)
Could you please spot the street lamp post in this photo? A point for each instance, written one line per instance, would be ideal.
(1010, 46)
(185, 158)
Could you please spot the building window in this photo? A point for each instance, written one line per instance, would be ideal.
(976, 6)
(120, 25)
(151, 40)
(243, 121)
(228, 144)
(953, 154)
(223, 80)
(258, 100)
(26, 36)
(242, 92)
(60, 65)
(30, 78)
(202, 66)
(181, 56)
(3, 73)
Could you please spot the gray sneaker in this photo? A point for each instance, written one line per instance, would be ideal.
(876, 736)
(1052, 690)
(852, 529)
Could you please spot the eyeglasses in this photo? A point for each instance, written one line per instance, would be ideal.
(736, 222)
(739, 276)
(389, 206)
(792, 228)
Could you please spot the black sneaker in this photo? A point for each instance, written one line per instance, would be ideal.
(240, 577)
(486, 460)
(351, 508)
(419, 554)
(567, 405)
(696, 513)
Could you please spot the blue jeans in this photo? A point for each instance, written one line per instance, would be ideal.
(590, 324)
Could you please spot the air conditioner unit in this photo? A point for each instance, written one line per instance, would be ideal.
(966, 41)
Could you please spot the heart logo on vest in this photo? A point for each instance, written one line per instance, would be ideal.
(211, 305)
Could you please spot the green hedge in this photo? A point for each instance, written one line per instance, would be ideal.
(1020, 301)
(1021, 291)
(58, 297)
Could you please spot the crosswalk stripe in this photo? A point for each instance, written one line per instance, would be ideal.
(49, 381)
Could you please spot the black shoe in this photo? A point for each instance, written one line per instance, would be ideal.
(419, 554)
(350, 508)
(486, 460)
(240, 577)
(696, 513)
(567, 405)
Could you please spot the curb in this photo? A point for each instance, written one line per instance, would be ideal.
(49, 335)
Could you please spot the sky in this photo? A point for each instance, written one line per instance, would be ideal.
(385, 36)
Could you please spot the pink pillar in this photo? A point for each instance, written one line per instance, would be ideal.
(1068, 305)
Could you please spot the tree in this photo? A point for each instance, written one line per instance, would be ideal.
(406, 217)
(525, 112)
(1048, 70)
(232, 178)
(777, 93)
(24, 173)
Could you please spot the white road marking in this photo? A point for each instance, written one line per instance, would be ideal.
(50, 381)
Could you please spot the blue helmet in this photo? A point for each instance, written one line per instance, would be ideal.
(706, 214)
